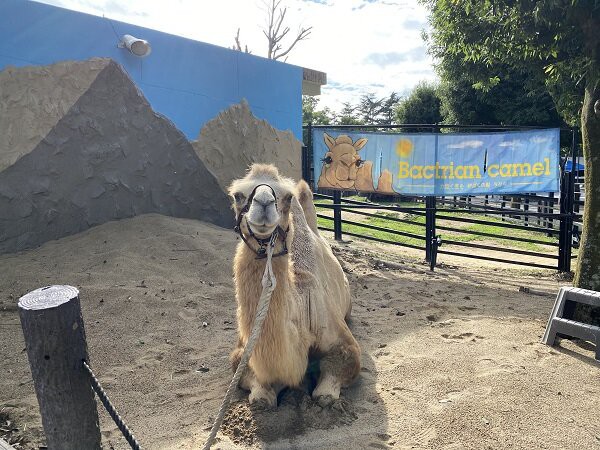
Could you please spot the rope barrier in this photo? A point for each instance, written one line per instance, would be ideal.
(127, 434)
(268, 284)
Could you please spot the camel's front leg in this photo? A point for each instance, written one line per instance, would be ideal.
(339, 366)
(259, 394)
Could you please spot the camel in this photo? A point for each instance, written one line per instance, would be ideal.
(342, 166)
(311, 301)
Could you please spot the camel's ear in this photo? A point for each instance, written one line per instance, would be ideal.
(329, 141)
(360, 143)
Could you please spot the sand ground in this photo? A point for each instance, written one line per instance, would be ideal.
(451, 360)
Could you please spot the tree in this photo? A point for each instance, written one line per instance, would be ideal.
(421, 106)
(274, 32)
(310, 113)
(388, 109)
(347, 115)
(560, 40)
(515, 97)
(369, 108)
(238, 46)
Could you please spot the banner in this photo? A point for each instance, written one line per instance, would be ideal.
(437, 163)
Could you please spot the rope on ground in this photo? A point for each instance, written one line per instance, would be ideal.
(127, 434)
(268, 286)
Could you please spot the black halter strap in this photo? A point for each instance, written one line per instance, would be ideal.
(279, 232)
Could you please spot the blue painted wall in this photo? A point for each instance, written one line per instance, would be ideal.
(188, 81)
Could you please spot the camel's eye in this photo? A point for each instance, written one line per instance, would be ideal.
(327, 160)
(359, 163)
(239, 197)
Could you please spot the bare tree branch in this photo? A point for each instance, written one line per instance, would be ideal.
(302, 34)
(238, 46)
(274, 32)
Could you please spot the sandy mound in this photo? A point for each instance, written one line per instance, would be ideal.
(233, 140)
(451, 360)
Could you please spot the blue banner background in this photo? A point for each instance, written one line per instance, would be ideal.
(437, 163)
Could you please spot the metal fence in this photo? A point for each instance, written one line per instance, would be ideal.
(534, 230)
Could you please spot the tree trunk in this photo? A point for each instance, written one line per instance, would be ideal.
(587, 274)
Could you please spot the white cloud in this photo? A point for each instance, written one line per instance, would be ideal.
(344, 33)
(539, 139)
(513, 143)
(467, 144)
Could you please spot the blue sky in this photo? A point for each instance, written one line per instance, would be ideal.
(362, 45)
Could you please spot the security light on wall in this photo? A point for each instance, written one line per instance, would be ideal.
(138, 47)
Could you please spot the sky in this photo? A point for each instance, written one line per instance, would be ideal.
(364, 46)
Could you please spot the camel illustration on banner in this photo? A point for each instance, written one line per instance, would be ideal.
(343, 168)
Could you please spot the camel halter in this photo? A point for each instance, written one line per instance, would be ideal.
(263, 244)
(268, 286)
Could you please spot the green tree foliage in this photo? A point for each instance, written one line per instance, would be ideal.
(310, 113)
(388, 109)
(372, 110)
(369, 108)
(347, 115)
(510, 97)
(423, 105)
(558, 40)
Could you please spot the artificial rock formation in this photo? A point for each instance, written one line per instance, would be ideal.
(235, 139)
(34, 98)
(107, 156)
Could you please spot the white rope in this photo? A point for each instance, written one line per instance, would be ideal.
(268, 284)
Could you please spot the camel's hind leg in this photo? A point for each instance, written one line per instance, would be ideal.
(258, 393)
(339, 366)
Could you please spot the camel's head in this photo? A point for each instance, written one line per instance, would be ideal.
(341, 162)
(263, 197)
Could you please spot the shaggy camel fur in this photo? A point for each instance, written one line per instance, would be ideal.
(310, 302)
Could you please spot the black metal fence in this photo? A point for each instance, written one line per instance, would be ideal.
(534, 230)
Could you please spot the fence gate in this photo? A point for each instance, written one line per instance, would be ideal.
(533, 229)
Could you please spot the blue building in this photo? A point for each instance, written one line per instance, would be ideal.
(188, 81)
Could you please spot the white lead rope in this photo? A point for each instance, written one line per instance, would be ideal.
(268, 286)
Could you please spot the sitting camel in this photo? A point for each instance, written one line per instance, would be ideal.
(311, 301)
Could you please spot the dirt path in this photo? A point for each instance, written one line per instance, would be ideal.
(451, 360)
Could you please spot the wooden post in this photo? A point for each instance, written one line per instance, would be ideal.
(56, 346)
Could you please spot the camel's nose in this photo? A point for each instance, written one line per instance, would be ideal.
(264, 196)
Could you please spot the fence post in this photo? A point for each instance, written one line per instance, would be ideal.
(551, 211)
(56, 348)
(337, 216)
(305, 165)
(429, 226)
(565, 236)
(569, 222)
(309, 156)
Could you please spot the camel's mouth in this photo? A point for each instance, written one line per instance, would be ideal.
(261, 231)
